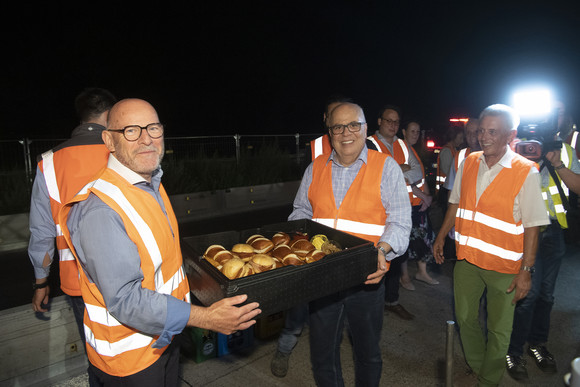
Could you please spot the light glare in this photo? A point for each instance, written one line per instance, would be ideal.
(533, 102)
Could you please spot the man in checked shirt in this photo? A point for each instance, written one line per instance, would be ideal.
(361, 192)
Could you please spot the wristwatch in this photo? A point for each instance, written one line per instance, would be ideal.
(382, 250)
(560, 166)
(527, 268)
(39, 286)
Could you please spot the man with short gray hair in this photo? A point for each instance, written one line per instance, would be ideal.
(497, 208)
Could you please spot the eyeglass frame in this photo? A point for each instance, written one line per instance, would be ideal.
(390, 122)
(346, 126)
(141, 130)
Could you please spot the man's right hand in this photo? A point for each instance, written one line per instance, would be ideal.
(438, 248)
(40, 297)
(224, 316)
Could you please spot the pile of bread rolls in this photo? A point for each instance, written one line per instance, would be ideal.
(259, 254)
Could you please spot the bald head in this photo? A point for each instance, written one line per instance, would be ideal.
(144, 154)
(131, 111)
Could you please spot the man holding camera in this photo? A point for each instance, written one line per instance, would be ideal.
(532, 314)
(496, 207)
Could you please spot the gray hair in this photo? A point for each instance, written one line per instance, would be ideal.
(509, 115)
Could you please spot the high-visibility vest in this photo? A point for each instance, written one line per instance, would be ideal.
(113, 347)
(461, 155)
(361, 213)
(320, 145)
(572, 140)
(441, 174)
(65, 172)
(486, 234)
(552, 190)
(401, 156)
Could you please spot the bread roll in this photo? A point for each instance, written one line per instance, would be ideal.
(293, 260)
(223, 256)
(302, 247)
(243, 250)
(211, 251)
(262, 245)
(281, 251)
(281, 238)
(314, 256)
(247, 270)
(233, 268)
(214, 263)
(262, 262)
(251, 238)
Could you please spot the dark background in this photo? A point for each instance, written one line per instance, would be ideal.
(268, 67)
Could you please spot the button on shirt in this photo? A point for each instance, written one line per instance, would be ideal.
(111, 261)
(394, 197)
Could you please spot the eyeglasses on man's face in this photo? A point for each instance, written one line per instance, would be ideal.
(353, 127)
(133, 132)
(390, 122)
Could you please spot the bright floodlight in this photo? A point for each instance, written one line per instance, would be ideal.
(533, 103)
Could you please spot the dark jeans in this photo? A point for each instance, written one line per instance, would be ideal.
(362, 307)
(392, 279)
(164, 372)
(78, 306)
(532, 314)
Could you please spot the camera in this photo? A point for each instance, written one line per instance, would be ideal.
(539, 139)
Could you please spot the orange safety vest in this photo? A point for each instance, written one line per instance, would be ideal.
(441, 174)
(113, 347)
(320, 146)
(401, 156)
(486, 234)
(461, 155)
(361, 213)
(66, 171)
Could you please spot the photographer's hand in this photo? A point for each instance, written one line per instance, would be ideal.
(554, 158)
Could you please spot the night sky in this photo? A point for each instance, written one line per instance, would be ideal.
(268, 67)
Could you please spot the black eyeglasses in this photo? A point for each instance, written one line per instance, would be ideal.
(390, 122)
(133, 132)
(353, 127)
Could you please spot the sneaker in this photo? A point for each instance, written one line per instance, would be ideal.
(279, 365)
(544, 359)
(516, 367)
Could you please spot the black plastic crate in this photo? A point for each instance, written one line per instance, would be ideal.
(284, 287)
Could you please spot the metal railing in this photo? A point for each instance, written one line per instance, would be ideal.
(22, 154)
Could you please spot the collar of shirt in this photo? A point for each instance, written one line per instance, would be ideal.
(505, 161)
(381, 137)
(131, 176)
(86, 129)
(362, 156)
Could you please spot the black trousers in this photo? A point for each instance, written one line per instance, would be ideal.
(392, 279)
(164, 372)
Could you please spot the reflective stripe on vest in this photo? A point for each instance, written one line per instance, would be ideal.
(486, 233)
(574, 139)
(363, 218)
(113, 347)
(50, 175)
(352, 226)
(552, 190)
(320, 146)
(463, 153)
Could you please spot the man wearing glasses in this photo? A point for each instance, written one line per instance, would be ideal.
(125, 238)
(361, 192)
(385, 140)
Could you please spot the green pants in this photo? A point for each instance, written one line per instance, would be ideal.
(485, 353)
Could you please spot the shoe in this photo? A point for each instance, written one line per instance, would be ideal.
(279, 365)
(430, 281)
(516, 367)
(544, 359)
(407, 284)
(400, 311)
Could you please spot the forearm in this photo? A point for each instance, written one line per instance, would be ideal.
(531, 235)
(571, 179)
